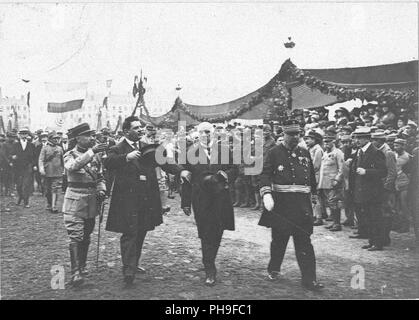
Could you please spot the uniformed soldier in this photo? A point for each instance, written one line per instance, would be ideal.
(86, 189)
(287, 185)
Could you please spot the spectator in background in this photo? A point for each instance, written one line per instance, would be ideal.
(313, 141)
(402, 183)
(331, 180)
(51, 167)
(379, 141)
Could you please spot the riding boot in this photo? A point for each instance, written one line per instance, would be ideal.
(84, 250)
(76, 277)
(258, 201)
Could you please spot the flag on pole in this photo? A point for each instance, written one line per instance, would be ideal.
(64, 97)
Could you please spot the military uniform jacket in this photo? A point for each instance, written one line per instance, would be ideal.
(285, 172)
(84, 170)
(331, 169)
(208, 193)
(135, 197)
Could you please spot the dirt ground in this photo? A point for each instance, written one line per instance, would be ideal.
(34, 240)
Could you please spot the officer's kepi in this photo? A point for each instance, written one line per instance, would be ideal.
(291, 127)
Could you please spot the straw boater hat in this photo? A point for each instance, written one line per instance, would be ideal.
(362, 132)
(24, 130)
(379, 134)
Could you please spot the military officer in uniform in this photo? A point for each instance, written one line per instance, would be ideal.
(287, 184)
(85, 189)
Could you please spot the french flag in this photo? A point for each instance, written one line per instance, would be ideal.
(65, 97)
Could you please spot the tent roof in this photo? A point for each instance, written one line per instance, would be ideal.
(397, 76)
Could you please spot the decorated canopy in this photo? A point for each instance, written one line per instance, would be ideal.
(293, 88)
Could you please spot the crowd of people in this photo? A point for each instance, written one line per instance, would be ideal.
(365, 165)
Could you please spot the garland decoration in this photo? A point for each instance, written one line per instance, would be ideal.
(276, 96)
(383, 96)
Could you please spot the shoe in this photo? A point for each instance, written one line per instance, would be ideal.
(77, 279)
(329, 219)
(210, 281)
(236, 204)
(244, 205)
(348, 223)
(274, 275)
(375, 248)
(54, 211)
(336, 227)
(313, 285)
(84, 272)
(330, 226)
(318, 222)
(27, 206)
(141, 270)
(171, 197)
(354, 227)
(367, 246)
(129, 279)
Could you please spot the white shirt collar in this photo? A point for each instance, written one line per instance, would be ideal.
(364, 148)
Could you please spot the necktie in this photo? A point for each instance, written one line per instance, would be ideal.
(360, 157)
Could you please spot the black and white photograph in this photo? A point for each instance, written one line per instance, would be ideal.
(198, 151)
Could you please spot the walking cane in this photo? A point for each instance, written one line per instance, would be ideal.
(102, 210)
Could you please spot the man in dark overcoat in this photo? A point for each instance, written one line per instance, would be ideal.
(209, 195)
(287, 184)
(366, 173)
(135, 206)
(25, 164)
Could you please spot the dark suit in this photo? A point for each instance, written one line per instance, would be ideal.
(285, 170)
(23, 166)
(135, 206)
(367, 193)
(209, 196)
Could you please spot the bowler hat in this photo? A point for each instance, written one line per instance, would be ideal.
(79, 130)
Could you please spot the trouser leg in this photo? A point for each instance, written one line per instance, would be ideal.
(140, 242)
(304, 253)
(27, 186)
(19, 187)
(376, 225)
(48, 192)
(131, 247)
(210, 245)
(278, 247)
(361, 217)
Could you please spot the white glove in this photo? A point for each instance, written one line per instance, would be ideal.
(361, 171)
(268, 202)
